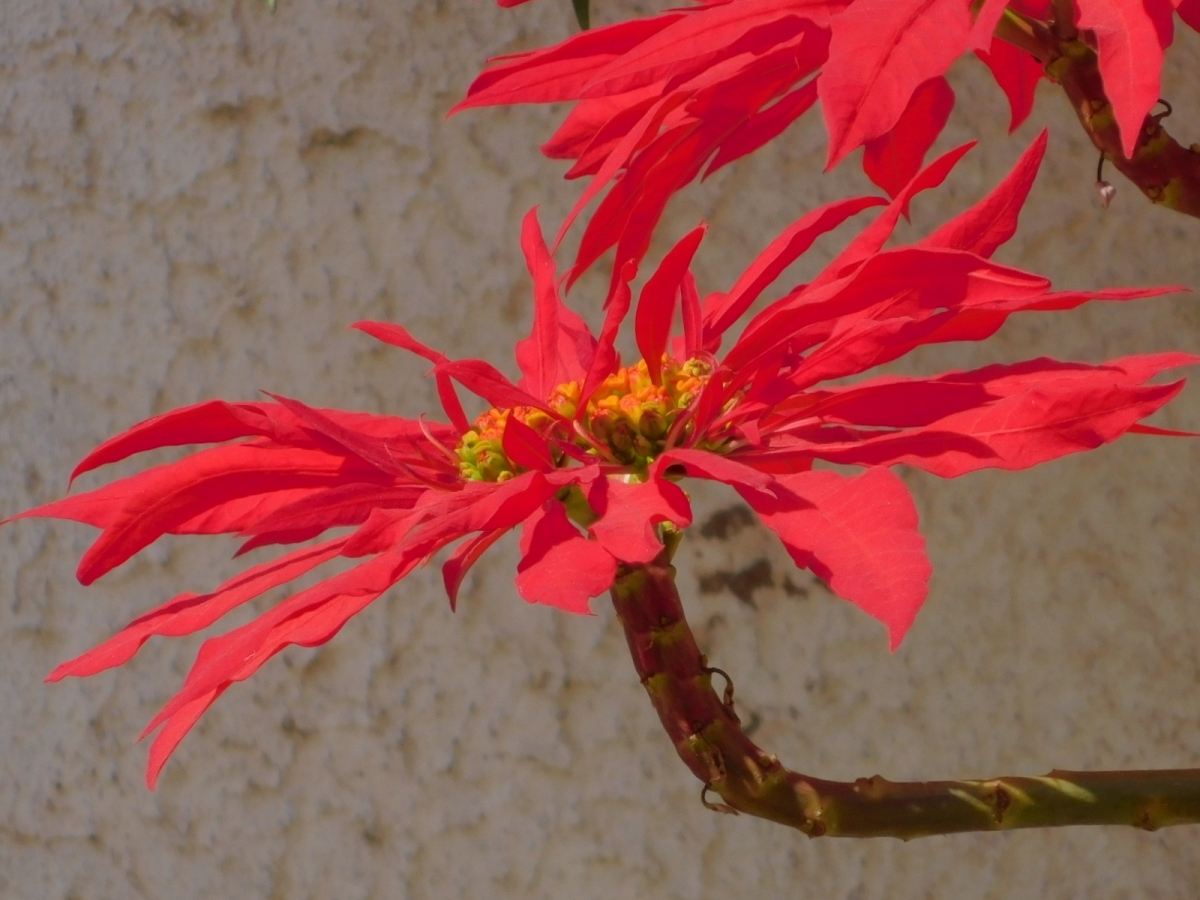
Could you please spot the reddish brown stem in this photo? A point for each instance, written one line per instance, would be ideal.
(1164, 170)
(709, 738)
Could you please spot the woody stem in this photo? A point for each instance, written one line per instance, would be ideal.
(709, 738)
(1164, 170)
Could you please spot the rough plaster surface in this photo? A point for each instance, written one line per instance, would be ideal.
(196, 197)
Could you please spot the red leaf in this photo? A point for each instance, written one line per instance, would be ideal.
(635, 204)
(896, 402)
(398, 336)
(345, 504)
(656, 304)
(370, 450)
(903, 285)
(860, 534)
(630, 513)
(479, 506)
(722, 310)
(210, 422)
(993, 220)
(764, 126)
(638, 136)
(694, 118)
(308, 619)
(560, 72)
(606, 360)
(714, 467)
(1162, 432)
(464, 556)
(1018, 75)
(98, 508)
(693, 323)
(698, 40)
(559, 566)
(872, 238)
(143, 507)
(892, 159)
(881, 51)
(986, 20)
(526, 447)
(189, 613)
(1131, 35)
(593, 127)
(168, 739)
(560, 347)
(1189, 11)
(855, 345)
(1045, 422)
(488, 382)
(234, 516)
(1043, 410)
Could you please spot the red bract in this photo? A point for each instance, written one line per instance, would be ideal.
(584, 454)
(662, 99)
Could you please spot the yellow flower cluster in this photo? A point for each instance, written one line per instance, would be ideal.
(628, 418)
(481, 455)
(631, 416)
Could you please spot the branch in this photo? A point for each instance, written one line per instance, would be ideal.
(1165, 171)
(582, 14)
(709, 738)
(1162, 169)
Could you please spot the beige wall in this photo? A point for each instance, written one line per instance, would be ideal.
(196, 197)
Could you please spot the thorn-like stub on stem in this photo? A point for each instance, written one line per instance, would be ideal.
(1002, 802)
(715, 807)
(1166, 172)
(707, 757)
(709, 738)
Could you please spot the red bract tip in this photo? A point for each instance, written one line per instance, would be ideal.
(662, 99)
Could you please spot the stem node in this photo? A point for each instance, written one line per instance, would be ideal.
(711, 741)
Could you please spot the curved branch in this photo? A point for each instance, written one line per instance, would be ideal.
(1163, 169)
(709, 738)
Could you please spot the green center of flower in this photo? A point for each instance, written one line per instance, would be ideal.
(628, 419)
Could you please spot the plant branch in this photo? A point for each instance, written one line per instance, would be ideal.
(1164, 170)
(709, 738)
(582, 14)
(1064, 20)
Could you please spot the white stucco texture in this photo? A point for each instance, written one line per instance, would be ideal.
(196, 198)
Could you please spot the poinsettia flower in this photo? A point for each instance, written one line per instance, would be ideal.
(584, 454)
(664, 99)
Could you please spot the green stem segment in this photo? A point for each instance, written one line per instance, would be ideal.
(583, 14)
(709, 738)
(1164, 170)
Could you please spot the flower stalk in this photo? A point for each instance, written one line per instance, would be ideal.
(709, 738)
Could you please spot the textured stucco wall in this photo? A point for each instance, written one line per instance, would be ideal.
(196, 197)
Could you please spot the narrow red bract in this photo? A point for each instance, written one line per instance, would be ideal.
(892, 159)
(584, 455)
(664, 99)
(1131, 35)
(880, 53)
